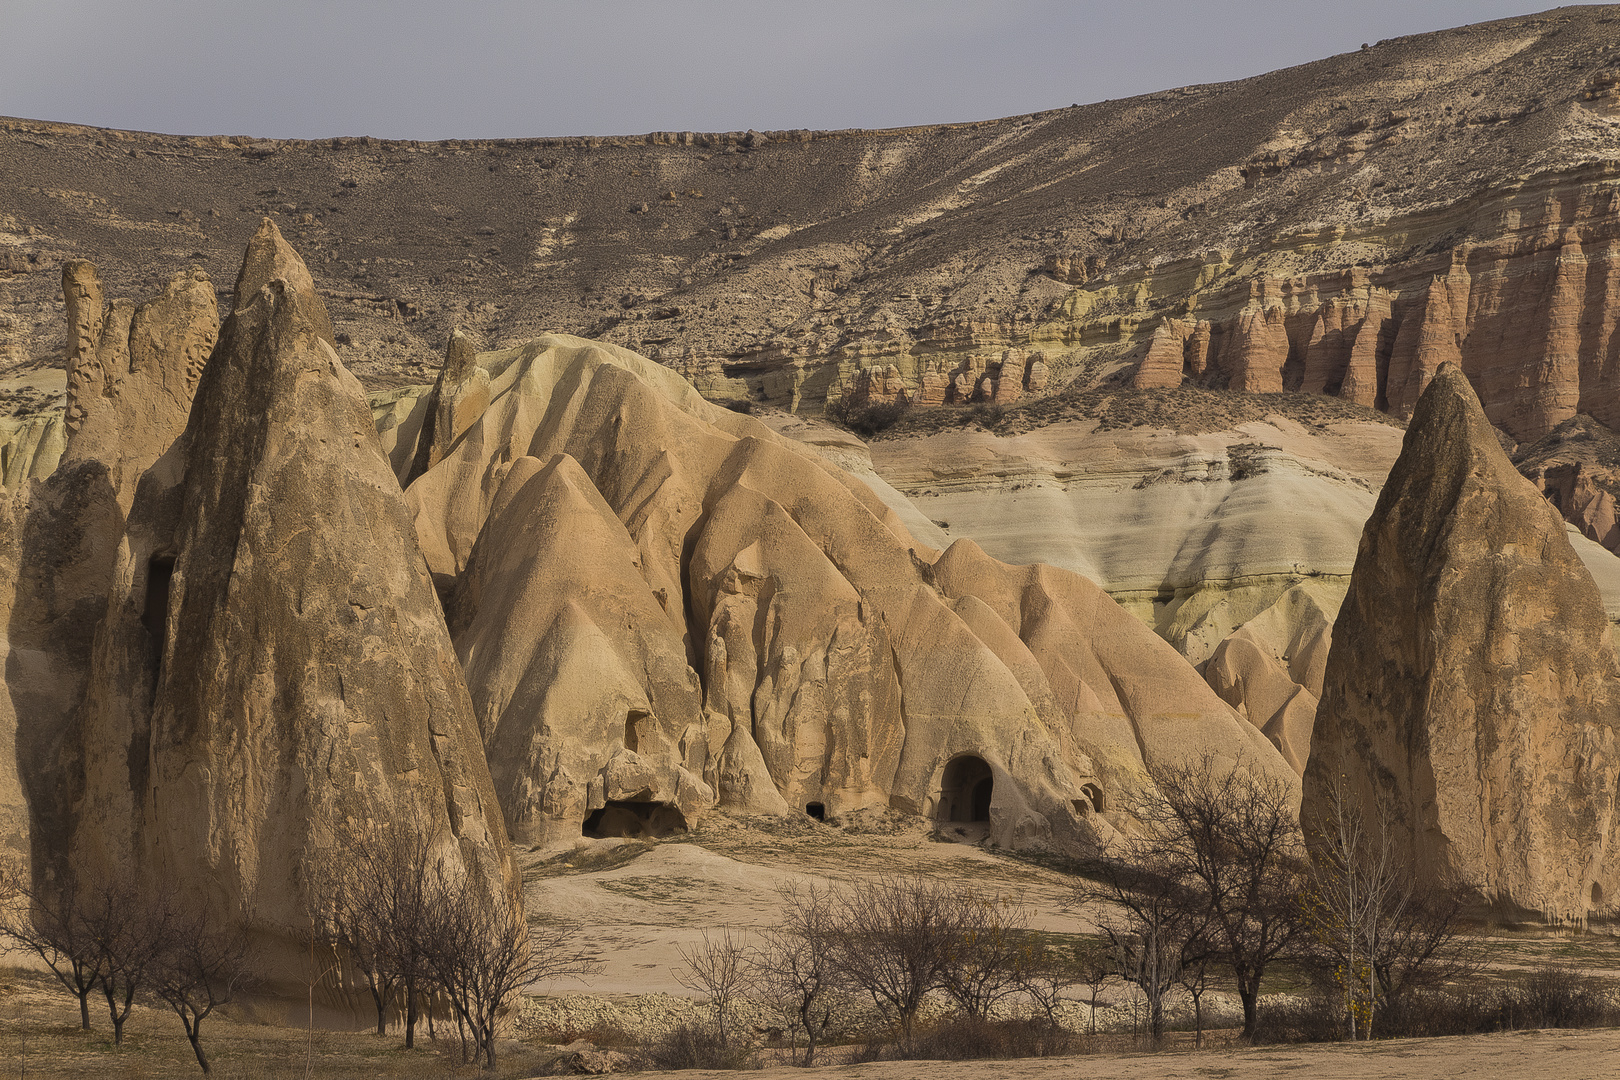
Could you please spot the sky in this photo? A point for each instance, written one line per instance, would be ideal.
(412, 69)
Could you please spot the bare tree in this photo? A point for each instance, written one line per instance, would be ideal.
(1094, 963)
(893, 938)
(1155, 923)
(795, 964)
(201, 967)
(133, 934)
(375, 898)
(992, 953)
(480, 952)
(1231, 838)
(1194, 978)
(721, 968)
(1050, 972)
(50, 924)
(1370, 922)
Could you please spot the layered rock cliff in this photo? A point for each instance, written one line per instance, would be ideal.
(1341, 227)
(1472, 689)
(226, 646)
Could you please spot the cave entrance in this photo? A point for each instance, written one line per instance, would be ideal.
(816, 810)
(635, 819)
(966, 789)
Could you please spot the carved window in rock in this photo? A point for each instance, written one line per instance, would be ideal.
(632, 729)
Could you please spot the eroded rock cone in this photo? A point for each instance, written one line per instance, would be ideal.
(273, 608)
(664, 606)
(1471, 689)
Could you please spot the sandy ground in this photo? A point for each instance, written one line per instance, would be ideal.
(1525, 1055)
(639, 903)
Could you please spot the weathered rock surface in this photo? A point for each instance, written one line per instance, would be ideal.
(30, 448)
(1577, 466)
(1271, 668)
(1472, 687)
(132, 373)
(1196, 531)
(273, 668)
(663, 606)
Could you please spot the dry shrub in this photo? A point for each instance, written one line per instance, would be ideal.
(1548, 997)
(1318, 1018)
(866, 420)
(604, 1033)
(1558, 997)
(967, 1038)
(698, 1046)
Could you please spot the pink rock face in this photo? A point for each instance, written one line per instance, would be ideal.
(1584, 504)
(1162, 367)
(1256, 350)
(1531, 316)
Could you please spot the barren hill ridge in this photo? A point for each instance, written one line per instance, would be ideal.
(1343, 226)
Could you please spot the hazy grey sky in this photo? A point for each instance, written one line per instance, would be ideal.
(416, 69)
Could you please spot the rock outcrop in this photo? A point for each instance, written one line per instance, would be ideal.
(1577, 467)
(273, 669)
(132, 372)
(1271, 668)
(664, 606)
(1472, 690)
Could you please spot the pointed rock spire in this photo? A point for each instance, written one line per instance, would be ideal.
(270, 257)
(1472, 689)
(276, 671)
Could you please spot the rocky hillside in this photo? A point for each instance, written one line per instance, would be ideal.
(1343, 227)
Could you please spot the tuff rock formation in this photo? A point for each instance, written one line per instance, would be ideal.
(272, 669)
(1271, 668)
(663, 606)
(1472, 689)
(132, 372)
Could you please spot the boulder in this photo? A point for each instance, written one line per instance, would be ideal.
(1471, 690)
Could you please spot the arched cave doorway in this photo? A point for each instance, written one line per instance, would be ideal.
(816, 810)
(966, 789)
(635, 819)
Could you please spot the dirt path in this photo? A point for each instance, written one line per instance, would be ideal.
(1524, 1055)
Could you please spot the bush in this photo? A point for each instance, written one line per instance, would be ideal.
(966, 1038)
(698, 1046)
(1318, 1018)
(605, 1033)
(1557, 997)
(1461, 1010)
(866, 420)
(1548, 997)
(987, 414)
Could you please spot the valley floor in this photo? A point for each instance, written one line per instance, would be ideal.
(1523, 1055)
